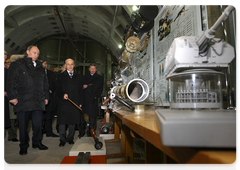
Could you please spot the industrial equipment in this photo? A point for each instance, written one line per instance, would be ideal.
(143, 19)
(98, 144)
(132, 45)
(196, 117)
(136, 90)
(106, 127)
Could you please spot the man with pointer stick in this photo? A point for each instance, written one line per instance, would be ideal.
(69, 85)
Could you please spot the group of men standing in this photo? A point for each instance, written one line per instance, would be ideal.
(28, 90)
(4, 106)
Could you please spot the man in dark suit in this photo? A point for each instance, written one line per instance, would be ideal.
(92, 90)
(4, 109)
(9, 115)
(69, 85)
(55, 96)
(27, 89)
(49, 113)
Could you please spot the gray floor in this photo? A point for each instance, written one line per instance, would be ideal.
(55, 154)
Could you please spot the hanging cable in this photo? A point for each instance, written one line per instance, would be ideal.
(68, 37)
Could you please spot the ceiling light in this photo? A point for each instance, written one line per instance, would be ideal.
(120, 46)
(135, 7)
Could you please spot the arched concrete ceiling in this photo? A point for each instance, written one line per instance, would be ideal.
(26, 25)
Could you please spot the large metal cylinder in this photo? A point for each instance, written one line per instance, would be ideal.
(136, 90)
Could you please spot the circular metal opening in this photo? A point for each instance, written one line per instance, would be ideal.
(137, 90)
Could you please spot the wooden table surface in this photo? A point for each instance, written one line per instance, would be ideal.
(144, 124)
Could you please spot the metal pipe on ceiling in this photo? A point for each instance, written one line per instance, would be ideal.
(113, 23)
(69, 38)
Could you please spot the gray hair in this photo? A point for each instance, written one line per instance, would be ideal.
(3, 52)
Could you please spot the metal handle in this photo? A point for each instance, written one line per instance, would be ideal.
(124, 103)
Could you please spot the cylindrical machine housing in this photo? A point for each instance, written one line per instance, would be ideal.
(199, 88)
(136, 90)
(125, 56)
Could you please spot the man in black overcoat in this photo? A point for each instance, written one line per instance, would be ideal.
(92, 90)
(4, 106)
(69, 85)
(49, 113)
(27, 90)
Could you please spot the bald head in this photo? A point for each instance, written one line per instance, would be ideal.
(69, 64)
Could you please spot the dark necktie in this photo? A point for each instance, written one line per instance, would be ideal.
(71, 74)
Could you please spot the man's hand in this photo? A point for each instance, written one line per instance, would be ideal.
(46, 101)
(2, 94)
(65, 96)
(14, 101)
(85, 86)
